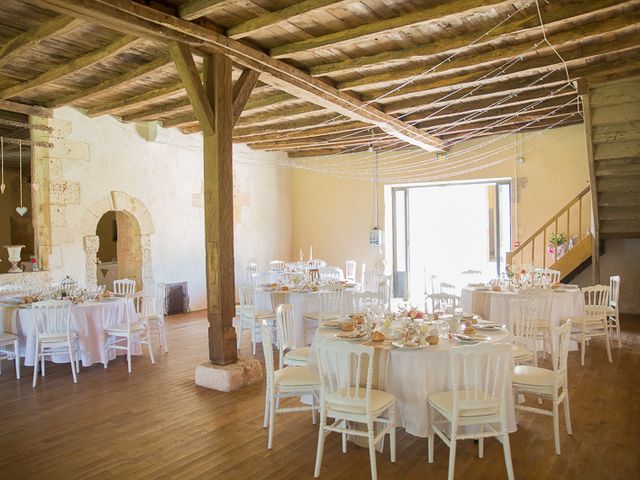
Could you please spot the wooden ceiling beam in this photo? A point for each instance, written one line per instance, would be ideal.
(26, 109)
(288, 13)
(126, 15)
(605, 36)
(439, 13)
(512, 31)
(180, 106)
(190, 77)
(111, 83)
(242, 91)
(181, 121)
(301, 134)
(84, 61)
(580, 67)
(199, 8)
(29, 39)
(149, 97)
(276, 116)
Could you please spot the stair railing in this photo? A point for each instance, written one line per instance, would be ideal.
(572, 217)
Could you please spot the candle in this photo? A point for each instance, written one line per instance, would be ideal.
(300, 254)
(311, 252)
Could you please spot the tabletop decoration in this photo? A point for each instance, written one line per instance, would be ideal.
(14, 257)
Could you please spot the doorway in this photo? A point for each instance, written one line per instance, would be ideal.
(119, 254)
(453, 233)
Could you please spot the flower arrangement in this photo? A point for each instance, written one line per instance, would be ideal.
(556, 240)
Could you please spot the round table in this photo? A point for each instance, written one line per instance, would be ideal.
(88, 320)
(412, 375)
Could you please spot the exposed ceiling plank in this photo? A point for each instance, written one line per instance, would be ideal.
(188, 71)
(111, 83)
(181, 120)
(151, 23)
(242, 91)
(280, 115)
(74, 65)
(26, 40)
(138, 101)
(165, 109)
(255, 24)
(604, 36)
(507, 34)
(198, 8)
(25, 109)
(437, 13)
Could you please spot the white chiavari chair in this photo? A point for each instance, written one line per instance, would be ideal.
(350, 270)
(543, 298)
(347, 396)
(478, 397)
(551, 384)
(613, 312)
(124, 286)
(285, 382)
(249, 316)
(277, 265)
(367, 301)
(548, 276)
(252, 269)
(331, 307)
(134, 330)
(594, 323)
(9, 345)
(524, 316)
(371, 282)
(156, 317)
(289, 354)
(54, 335)
(330, 274)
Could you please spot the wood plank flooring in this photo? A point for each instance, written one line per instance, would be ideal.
(156, 424)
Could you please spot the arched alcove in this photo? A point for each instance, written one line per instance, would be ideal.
(134, 227)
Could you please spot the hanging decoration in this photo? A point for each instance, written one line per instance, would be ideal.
(2, 185)
(21, 209)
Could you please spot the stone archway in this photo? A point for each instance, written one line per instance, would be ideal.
(135, 209)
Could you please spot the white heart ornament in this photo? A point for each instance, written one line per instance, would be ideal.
(2, 187)
(21, 210)
(35, 186)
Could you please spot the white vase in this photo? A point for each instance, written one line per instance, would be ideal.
(14, 257)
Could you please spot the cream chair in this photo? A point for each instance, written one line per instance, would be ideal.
(156, 317)
(124, 286)
(54, 335)
(249, 316)
(524, 315)
(613, 313)
(277, 265)
(330, 274)
(251, 269)
(347, 396)
(134, 330)
(548, 276)
(9, 346)
(331, 306)
(478, 397)
(371, 282)
(594, 323)
(543, 298)
(289, 354)
(350, 270)
(366, 301)
(551, 384)
(285, 382)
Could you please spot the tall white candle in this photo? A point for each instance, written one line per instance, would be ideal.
(311, 252)
(300, 254)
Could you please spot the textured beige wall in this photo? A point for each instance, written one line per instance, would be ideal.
(335, 214)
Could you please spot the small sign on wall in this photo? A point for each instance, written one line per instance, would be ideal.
(375, 237)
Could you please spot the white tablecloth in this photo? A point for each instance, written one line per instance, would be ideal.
(88, 319)
(303, 302)
(415, 374)
(494, 306)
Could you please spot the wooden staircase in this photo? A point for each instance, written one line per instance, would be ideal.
(574, 221)
(612, 122)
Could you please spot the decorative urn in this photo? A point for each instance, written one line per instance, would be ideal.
(14, 257)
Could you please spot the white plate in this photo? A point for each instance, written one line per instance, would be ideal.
(333, 323)
(490, 326)
(471, 339)
(350, 339)
(399, 344)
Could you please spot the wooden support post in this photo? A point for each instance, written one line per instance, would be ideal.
(218, 211)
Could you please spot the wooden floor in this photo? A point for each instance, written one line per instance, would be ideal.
(155, 423)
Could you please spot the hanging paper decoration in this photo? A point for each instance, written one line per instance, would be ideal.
(2, 185)
(21, 209)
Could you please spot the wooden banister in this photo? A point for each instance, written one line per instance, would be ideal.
(531, 241)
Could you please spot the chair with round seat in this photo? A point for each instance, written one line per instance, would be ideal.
(156, 317)
(548, 276)
(134, 329)
(350, 270)
(124, 286)
(249, 316)
(543, 298)
(524, 314)
(293, 381)
(479, 378)
(594, 323)
(9, 346)
(348, 397)
(54, 335)
(289, 354)
(331, 307)
(551, 384)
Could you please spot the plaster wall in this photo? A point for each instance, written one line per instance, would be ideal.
(162, 170)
